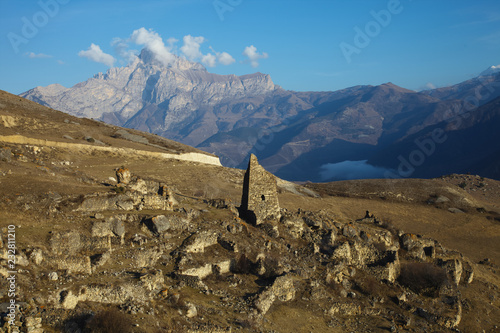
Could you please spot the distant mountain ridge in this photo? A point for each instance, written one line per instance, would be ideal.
(293, 133)
(175, 92)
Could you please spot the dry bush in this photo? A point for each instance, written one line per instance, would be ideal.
(110, 321)
(243, 264)
(423, 278)
(386, 223)
(369, 285)
(249, 324)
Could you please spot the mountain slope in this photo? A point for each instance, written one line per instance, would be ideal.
(39, 125)
(353, 128)
(478, 91)
(469, 142)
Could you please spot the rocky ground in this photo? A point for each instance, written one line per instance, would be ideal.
(133, 243)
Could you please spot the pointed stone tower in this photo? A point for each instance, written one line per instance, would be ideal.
(259, 201)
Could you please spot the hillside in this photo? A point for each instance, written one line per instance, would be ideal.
(468, 143)
(148, 242)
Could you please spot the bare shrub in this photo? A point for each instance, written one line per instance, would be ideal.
(369, 285)
(110, 321)
(243, 264)
(249, 324)
(423, 278)
(387, 224)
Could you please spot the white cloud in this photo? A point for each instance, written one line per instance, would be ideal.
(154, 43)
(60, 62)
(429, 85)
(191, 50)
(209, 60)
(191, 47)
(122, 49)
(166, 51)
(33, 55)
(171, 42)
(225, 58)
(95, 53)
(253, 55)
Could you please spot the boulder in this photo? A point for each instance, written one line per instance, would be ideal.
(162, 224)
(5, 154)
(65, 242)
(99, 260)
(123, 175)
(342, 253)
(102, 229)
(74, 264)
(146, 257)
(282, 289)
(295, 226)
(349, 230)
(199, 241)
(37, 256)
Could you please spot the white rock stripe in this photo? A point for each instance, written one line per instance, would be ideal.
(191, 157)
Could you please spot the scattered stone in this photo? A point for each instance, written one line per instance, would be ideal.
(37, 256)
(295, 225)
(313, 222)
(53, 276)
(455, 210)
(5, 154)
(345, 309)
(191, 311)
(442, 199)
(74, 264)
(349, 231)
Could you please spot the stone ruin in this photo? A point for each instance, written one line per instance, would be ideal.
(259, 201)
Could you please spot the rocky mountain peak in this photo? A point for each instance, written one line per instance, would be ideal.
(492, 70)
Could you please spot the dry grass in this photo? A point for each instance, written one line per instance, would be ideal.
(110, 321)
(423, 278)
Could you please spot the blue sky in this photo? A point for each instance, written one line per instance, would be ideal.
(305, 46)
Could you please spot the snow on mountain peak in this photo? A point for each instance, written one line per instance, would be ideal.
(491, 71)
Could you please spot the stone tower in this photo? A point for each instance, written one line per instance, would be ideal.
(259, 201)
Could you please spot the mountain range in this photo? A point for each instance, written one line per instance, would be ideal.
(296, 135)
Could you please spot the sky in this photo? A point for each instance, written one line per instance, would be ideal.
(316, 45)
